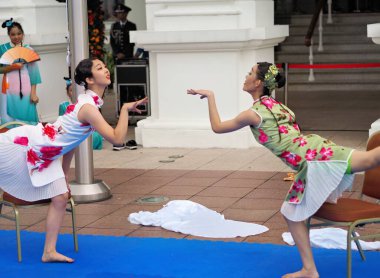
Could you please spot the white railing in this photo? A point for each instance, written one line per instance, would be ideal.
(320, 43)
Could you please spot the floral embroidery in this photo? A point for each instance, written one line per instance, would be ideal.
(291, 158)
(268, 102)
(302, 141)
(298, 186)
(310, 154)
(296, 127)
(50, 152)
(326, 153)
(44, 165)
(21, 140)
(70, 109)
(49, 131)
(263, 138)
(283, 129)
(32, 157)
(294, 200)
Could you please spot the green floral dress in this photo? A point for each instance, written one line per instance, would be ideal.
(320, 164)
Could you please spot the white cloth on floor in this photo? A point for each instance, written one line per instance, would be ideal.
(188, 217)
(332, 238)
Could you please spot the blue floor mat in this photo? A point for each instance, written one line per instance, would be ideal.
(110, 256)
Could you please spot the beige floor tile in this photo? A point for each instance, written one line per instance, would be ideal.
(253, 216)
(224, 191)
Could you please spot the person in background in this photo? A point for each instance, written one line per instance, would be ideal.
(97, 139)
(122, 48)
(19, 91)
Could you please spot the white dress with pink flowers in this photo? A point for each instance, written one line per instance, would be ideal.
(30, 167)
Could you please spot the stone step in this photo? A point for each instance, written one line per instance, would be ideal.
(330, 48)
(349, 18)
(331, 29)
(330, 39)
(335, 77)
(321, 57)
(311, 87)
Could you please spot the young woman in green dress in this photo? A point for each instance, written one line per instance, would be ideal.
(323, 169)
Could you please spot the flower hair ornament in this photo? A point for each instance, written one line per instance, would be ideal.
(7, 23)
(270, 78)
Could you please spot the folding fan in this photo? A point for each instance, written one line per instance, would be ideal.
(19, 54)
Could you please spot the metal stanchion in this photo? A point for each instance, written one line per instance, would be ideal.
(85, 189)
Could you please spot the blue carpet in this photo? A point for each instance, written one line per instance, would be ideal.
(109, 256)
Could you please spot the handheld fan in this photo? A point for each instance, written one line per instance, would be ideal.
(19, 54)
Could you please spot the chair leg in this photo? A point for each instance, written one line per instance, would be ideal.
(358, 246)
(75, 236)
(17, 219)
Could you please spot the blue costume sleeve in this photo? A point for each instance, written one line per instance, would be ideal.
(34, 73)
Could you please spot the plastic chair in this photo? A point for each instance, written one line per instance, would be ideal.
(354, 213)
(15, 203)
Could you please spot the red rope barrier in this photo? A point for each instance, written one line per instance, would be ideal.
(331, 66)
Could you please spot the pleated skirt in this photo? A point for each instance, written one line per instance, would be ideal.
(326, 181)
(15, 180)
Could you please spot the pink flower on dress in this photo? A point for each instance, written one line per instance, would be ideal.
(296, 127)
(21, 140)
(32, 157)
(298, 186)
(283, 129)
(326, 153)
(49, 131)
(291, 158)
(310, 154)
(268, 102)
(44, 165)
(294, 200)
(302, 141)
(96, 100)
(70, 108)
(263, 138)
(50, 152)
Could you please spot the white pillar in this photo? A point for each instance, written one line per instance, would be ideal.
(206, 44)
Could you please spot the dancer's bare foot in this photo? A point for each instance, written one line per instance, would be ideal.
(303, 273)
(54, 256)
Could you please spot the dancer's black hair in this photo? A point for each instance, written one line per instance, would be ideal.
(9, 24)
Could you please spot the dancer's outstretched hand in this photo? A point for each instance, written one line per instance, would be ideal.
(132, 106)
(201, 93)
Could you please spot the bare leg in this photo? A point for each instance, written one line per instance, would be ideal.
(300, 235)
(365, 160)
(54, 220)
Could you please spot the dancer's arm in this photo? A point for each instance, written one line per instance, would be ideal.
(90, 114)
(245, 118)
(15, 66)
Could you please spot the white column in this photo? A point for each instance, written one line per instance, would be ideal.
(373, 31)
(209, 44)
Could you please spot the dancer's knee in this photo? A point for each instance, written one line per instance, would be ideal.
(60, 200)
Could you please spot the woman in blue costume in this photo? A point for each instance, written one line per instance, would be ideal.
(323, 169)
(19, 90)
(97, 139)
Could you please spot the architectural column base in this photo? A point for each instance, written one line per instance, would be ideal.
(89, 193)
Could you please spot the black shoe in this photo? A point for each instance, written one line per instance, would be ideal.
(131, 145)
(118, 148)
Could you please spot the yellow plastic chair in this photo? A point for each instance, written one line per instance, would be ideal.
(15, 203)
(353, 213)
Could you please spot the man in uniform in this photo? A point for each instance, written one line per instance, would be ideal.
(119, 35)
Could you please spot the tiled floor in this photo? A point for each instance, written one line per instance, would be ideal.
(236, 183)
